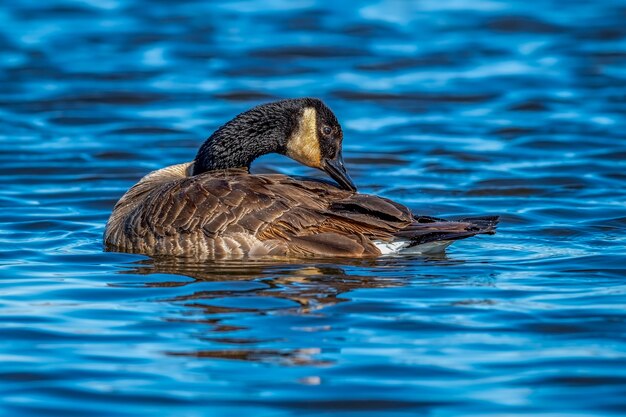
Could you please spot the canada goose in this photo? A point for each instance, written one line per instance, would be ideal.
(213, 206)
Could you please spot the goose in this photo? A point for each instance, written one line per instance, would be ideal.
(213, 207)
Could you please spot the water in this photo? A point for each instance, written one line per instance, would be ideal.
(451, 107)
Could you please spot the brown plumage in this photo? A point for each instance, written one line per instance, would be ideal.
(183, 210)
(233, 213)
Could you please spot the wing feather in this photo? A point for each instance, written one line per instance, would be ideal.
(170, 212)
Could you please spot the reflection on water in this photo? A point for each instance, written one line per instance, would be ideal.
(270, 287)
(309, 287)
(450, 107)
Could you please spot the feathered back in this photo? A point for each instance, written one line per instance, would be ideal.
(233, 213)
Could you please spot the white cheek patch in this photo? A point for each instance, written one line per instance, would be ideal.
(303, 145)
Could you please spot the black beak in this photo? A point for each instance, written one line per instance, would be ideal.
(337, 171)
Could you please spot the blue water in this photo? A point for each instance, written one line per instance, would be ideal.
(451, 107)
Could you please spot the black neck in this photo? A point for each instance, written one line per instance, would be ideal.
(259, 131)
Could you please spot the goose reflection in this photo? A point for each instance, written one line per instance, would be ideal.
(282, 288)
(312, 286)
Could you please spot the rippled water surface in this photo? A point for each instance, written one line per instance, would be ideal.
(451, 107)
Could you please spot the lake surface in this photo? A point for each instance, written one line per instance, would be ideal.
(453, 108)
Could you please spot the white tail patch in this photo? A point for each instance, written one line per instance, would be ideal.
(389, 248)
(401, 247)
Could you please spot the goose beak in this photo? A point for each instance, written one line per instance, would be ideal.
(337, 171)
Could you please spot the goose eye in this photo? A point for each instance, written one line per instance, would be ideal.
(326, 130)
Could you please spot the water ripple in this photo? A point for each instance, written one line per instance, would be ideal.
(451, 107)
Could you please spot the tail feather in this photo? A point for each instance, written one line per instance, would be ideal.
(484, 224)
(431, 229)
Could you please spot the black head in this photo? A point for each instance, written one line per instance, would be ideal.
(304, 129)
(316, 141)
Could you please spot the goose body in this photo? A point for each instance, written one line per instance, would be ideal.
(192, 210)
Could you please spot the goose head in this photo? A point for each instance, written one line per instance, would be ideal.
(304, 129)
(316, 141)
